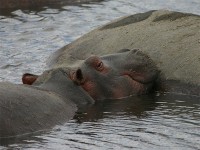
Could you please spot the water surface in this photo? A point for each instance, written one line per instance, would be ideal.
(167, 121)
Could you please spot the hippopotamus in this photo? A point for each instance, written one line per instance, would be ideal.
(128, 72)
(170, 39)
(54, 96)
(26, 108)
(113, 76)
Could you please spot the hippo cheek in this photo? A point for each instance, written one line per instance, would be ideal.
(132, 87)
(136, 87)
(119, 93)
(91, 88)
(123, 86)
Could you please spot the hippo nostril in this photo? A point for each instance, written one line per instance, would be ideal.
(79, 75)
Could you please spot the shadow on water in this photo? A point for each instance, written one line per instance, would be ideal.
(134, 106)
(8, 6)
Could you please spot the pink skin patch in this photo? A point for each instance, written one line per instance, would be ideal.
(137, 87)
(118, 93)
(129, 88)
(91, 89)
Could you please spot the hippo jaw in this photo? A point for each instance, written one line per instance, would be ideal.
(138, 86)
(141, 77)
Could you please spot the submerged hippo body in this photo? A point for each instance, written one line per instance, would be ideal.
(25, 109)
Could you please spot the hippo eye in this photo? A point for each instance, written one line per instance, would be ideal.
(99, 66)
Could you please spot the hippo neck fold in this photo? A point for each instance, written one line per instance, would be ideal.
(59, 83)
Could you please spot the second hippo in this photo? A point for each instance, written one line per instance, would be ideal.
(26, 109)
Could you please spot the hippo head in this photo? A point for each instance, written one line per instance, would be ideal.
(129, 72)
(114, 76)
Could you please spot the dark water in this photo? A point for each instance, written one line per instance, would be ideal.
(28, 37)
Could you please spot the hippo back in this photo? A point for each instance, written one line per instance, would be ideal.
(24, 109)
(170, 39)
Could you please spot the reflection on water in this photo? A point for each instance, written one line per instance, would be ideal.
(28, 37)
(166, 121)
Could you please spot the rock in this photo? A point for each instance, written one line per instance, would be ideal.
(171, 39)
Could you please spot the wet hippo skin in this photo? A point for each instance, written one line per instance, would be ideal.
(113, 76)
(128, 72)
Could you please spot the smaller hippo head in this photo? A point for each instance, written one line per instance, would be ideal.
(129, 72)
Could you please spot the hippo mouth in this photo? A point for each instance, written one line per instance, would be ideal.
(134, 76)
(129, 77)
(139, 77)
(135, 83)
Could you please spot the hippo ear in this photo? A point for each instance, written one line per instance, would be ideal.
(28, 78)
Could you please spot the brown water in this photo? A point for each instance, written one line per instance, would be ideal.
(28, 37)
